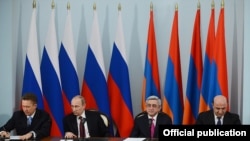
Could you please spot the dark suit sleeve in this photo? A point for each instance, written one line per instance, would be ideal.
(135, 130)
(10, 124)
(42, 125)
(232, 118)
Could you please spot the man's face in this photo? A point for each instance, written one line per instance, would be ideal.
(152, 107)
(28, 107)
(77, 106)
(220, 109)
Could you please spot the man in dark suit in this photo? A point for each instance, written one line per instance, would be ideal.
(92, 123)
(37, 127)
(146, 123)
(219, 114)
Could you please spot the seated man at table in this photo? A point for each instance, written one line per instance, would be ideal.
(146, 123)
(83, 123)
(219, 114)
(30, 122)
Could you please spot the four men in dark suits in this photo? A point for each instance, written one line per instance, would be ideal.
(145, 124)
(143, 121)
(219, 112)
(93, 124)
(37, 127)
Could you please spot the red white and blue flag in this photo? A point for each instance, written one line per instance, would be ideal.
(51, 82)
(173, 93)
(32, 75)
(192, 99)
(119, 85)
(94, 86)
(68, 67)
(151, 81)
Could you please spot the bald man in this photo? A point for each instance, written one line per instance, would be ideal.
(219, 114)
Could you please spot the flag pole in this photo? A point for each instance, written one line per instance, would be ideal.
(94, 6)
(52, 4)
(213, 5)
(34, 4)
(119, 7)
(151, 6)
(68, 6)
(222, 4)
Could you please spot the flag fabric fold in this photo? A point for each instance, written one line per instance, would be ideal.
(221, 58)
(151, 81)
(51, 82)
(119, 85)
(68, 67)
(32, 75)
(173, 93)
(94, 86)
(205, 98)
(191, 107)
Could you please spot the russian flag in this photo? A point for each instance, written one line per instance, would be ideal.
(94, 86)
(173, 93)
(32, 75)
(119, 85)
(191, 108)
(151, 81)
(68, 67)
(51, 82)
(206, 97)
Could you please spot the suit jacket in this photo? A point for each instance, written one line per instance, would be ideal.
(207, 118)
(41, 124)
(142, 125)
(95, 123)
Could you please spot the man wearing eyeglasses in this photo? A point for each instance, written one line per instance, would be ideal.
(146, 123)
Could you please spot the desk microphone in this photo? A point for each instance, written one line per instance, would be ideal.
(149, 123)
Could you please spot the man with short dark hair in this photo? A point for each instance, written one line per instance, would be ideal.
(83, 123)
(146, 123)
(30, 122)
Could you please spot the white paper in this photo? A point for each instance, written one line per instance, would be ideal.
(134, 139)
(14, 137)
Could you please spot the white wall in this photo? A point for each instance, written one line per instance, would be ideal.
(135, 14)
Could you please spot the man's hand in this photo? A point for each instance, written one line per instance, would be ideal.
(26, 136)
(4, 134)
(70, 135)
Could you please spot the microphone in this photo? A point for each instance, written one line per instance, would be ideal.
(149, 122)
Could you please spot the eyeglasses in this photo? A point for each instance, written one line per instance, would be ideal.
(151, 105)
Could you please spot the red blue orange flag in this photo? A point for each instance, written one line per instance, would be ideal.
(68, 67)
(220, 57)
(119, 85)
(32, 75)
(173, 93)
(192, 98)
(51, 82)
(205, 98)
(94, 86)
(151, 81)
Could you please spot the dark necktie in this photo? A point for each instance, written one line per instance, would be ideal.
(152, 128)
(218, 122)
(29, 120)
(81, 127)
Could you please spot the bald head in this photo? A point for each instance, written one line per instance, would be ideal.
(220, 105)
(220, 99)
